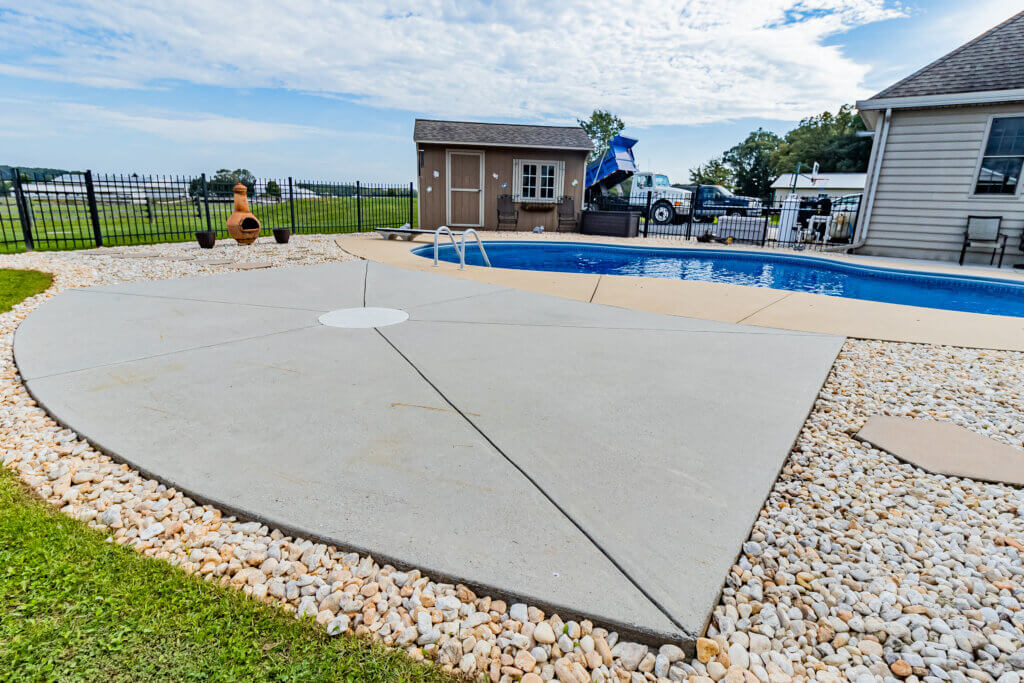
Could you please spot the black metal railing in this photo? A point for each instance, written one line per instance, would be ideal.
(812, 223)
(84, 210)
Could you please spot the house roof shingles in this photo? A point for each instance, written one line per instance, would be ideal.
(498, 134)
(992, 61)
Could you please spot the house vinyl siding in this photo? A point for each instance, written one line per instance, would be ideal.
(926, 184)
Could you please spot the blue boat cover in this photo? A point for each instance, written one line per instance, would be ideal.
(616, 165)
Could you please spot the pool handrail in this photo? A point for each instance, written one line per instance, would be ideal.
(460, 250)
(479, 242)
(437, 234)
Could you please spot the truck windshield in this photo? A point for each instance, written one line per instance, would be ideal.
(661, 180)
(724, 191)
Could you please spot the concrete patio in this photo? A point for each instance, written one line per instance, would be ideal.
(600, 461)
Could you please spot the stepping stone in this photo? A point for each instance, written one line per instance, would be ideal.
(945, 448)
(252, 265)
(214, 261)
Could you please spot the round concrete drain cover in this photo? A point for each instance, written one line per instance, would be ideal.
(363, 317)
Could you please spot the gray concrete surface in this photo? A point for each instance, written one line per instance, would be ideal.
(604, 462)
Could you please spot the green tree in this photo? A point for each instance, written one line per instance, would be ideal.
(714, 172)
(222, 184)
(751, 163)
(829, 139)
(272, 189)
(601, 127)
(223, 181)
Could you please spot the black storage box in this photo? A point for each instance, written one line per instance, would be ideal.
(611, 223)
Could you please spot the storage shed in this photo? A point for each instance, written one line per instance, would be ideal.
(464, 167)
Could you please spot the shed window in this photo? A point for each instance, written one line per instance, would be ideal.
(1004, 155)
(537, 181)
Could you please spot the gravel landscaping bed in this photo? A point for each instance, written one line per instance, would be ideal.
(859, 567)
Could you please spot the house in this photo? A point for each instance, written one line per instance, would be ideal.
(463, 168)
(835, 185)
(109, 188)
(948, 144)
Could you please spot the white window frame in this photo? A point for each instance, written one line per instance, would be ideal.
(517, 180)
(981, 158)
(448, 189)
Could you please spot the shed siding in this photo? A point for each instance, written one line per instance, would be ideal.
(497, 160)
(925, 183)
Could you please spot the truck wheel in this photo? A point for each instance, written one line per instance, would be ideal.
(662, 213)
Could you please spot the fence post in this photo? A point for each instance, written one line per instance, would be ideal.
(291, 201)
(23, 213)
(206, 203)
(647, 213)
(411, 212)
(693, 211)
(359, 210)
(94, 214)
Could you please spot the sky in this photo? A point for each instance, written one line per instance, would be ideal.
(327, 90)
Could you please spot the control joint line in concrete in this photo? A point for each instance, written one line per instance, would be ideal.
(596, 285)
(768, 305)
(191, 298)
(366, 276)
(752, 331)
(536, 485)
(170, 353)
(458, 298)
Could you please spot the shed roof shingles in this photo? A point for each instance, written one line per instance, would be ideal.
(992, 61)
(468, 132)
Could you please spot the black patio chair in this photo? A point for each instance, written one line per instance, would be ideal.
(566, 214)
(985, 232)
(507, 212)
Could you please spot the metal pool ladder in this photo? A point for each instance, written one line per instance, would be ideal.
(460, 249)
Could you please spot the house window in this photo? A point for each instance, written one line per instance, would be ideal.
(1004, 155)
(537, 181)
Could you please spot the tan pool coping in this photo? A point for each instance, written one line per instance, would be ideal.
(775, 308)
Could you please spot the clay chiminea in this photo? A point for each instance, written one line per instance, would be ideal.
(242, 225)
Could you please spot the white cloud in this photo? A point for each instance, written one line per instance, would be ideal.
(652, 61)
(32, 118)
(197, 128)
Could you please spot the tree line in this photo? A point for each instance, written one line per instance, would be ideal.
(750, 167)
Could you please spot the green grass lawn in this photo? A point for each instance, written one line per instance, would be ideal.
(68, 224)
(74, 607)
(16, 285)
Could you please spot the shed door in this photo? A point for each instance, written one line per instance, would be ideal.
(465, 188)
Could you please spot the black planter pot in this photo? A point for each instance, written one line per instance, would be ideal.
(282, 235)
(206, 238)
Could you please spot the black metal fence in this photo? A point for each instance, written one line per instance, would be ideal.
(811, 223)
(84, 210)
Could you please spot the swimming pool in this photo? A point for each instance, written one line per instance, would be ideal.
(779, 271)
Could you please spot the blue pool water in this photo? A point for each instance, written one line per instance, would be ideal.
(779, 271)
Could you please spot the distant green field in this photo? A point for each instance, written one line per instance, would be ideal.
(68, 225)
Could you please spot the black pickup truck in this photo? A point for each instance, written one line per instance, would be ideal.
(712, 201)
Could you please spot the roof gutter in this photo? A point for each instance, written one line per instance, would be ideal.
(944, 100)
(868, 201)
